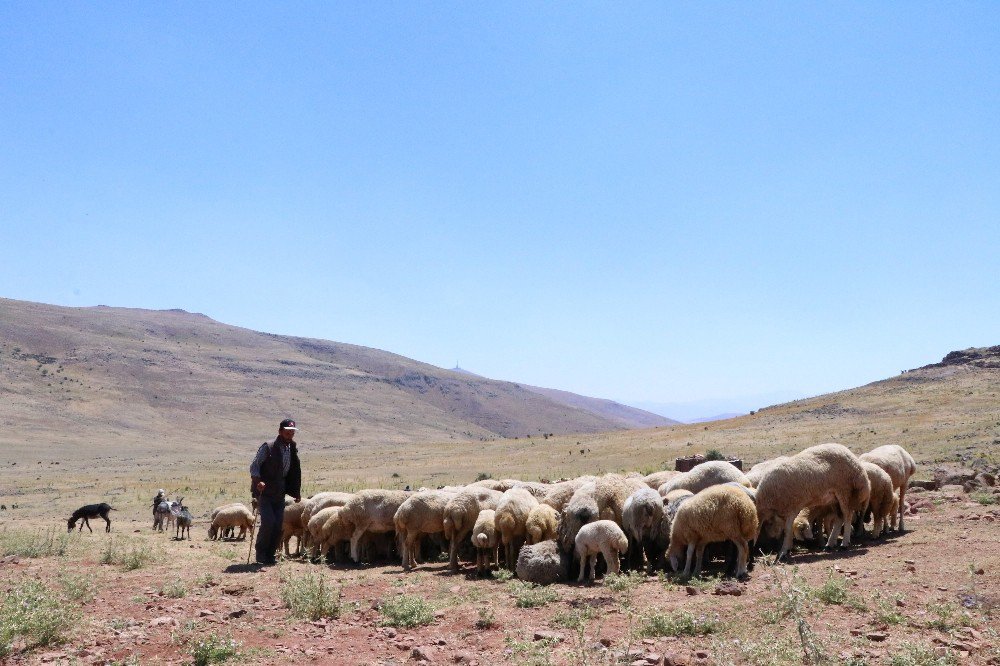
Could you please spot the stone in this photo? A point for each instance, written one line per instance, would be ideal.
(676, 659)
(691, 590)
(877, 636)
(606, 642)
(543, 635)
(729, 587)
(455, 589)
(163, 621)
(463, 658)
(204, 612)
(654, 658)
(232, 615)
(421, 654)
(388, 632)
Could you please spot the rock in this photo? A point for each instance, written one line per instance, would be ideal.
(542, 563)
(654, 658)
(606, 642)
(691, 590)
(639, 662)
(877, 636)
(163, 621)
(543, 635)
(923, 485)
(421, 654)
(986, 479)
(204, 612)
(676, 659)
(455, 589)
(463, 658)
(236, 613)
(388, 632)
(728, 587)
(702, 654)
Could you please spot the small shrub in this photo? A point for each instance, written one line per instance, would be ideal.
(986, 499)
(130, 557)
(887, 612)
(77, 587)
(529, 595)
(947, 617)
(406, 611)
(487, 619)
(482, 476)
(310, 597)
(677, 623)
(833, 591)
(575, 619)
(32, 611)
(623, 582)
(503, 575)
(174, 590)
(213, 650)
(714, 454)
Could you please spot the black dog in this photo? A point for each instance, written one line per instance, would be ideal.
(90, 511)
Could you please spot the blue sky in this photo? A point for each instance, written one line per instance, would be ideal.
(650, 202)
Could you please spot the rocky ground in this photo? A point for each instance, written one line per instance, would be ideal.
(930, 595)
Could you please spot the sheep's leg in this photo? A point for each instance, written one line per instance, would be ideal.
(786, 544)
(902, 496)
(355, 543)
(700, 557)
(593, 566)
(742, 556)
(689, 559)
(611, 559)
(583, 567)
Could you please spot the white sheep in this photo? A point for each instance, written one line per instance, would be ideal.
(421, 513)
(511, 521)
(318, 502)
(542, 523)
(371, 512)
(559, 494)
(291, 526)
(460, 516)
(233, 515)
(657, 479)
(758, 471)
(706, 474)
(718, 513)
(899, 465)
(812, 478)
(537, 489)
(601, 537)
(486, 541)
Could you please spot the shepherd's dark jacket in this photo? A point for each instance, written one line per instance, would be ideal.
(276, 484)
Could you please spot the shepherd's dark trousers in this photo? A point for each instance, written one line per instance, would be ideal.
(272, 513)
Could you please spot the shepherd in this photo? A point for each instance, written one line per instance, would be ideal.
(274, 473)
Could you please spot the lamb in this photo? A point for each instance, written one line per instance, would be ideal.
(899, 465)
(511, 521)
(542, 563)
(706, 474)
(758, 471)
(812, 478)
(230, 516)
(90, 511)
(460, 516)
(542, 523)
(643, 510)
(486, 541)
(421, 513)
(336, 529)
(657, 479)
(600, 537)
(718, 513)
(372, 511)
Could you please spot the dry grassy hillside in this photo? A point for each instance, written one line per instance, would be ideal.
(100, 375)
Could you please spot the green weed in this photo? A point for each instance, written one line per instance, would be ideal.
(406, 611)
(32, 611)
(529, 595)
(213, 649)
(677, 623)
(309, 596)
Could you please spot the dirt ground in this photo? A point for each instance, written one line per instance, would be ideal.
(930, 595)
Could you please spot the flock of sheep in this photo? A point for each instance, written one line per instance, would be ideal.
(542, 530)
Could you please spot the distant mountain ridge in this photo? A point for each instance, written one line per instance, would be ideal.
(100, 372)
